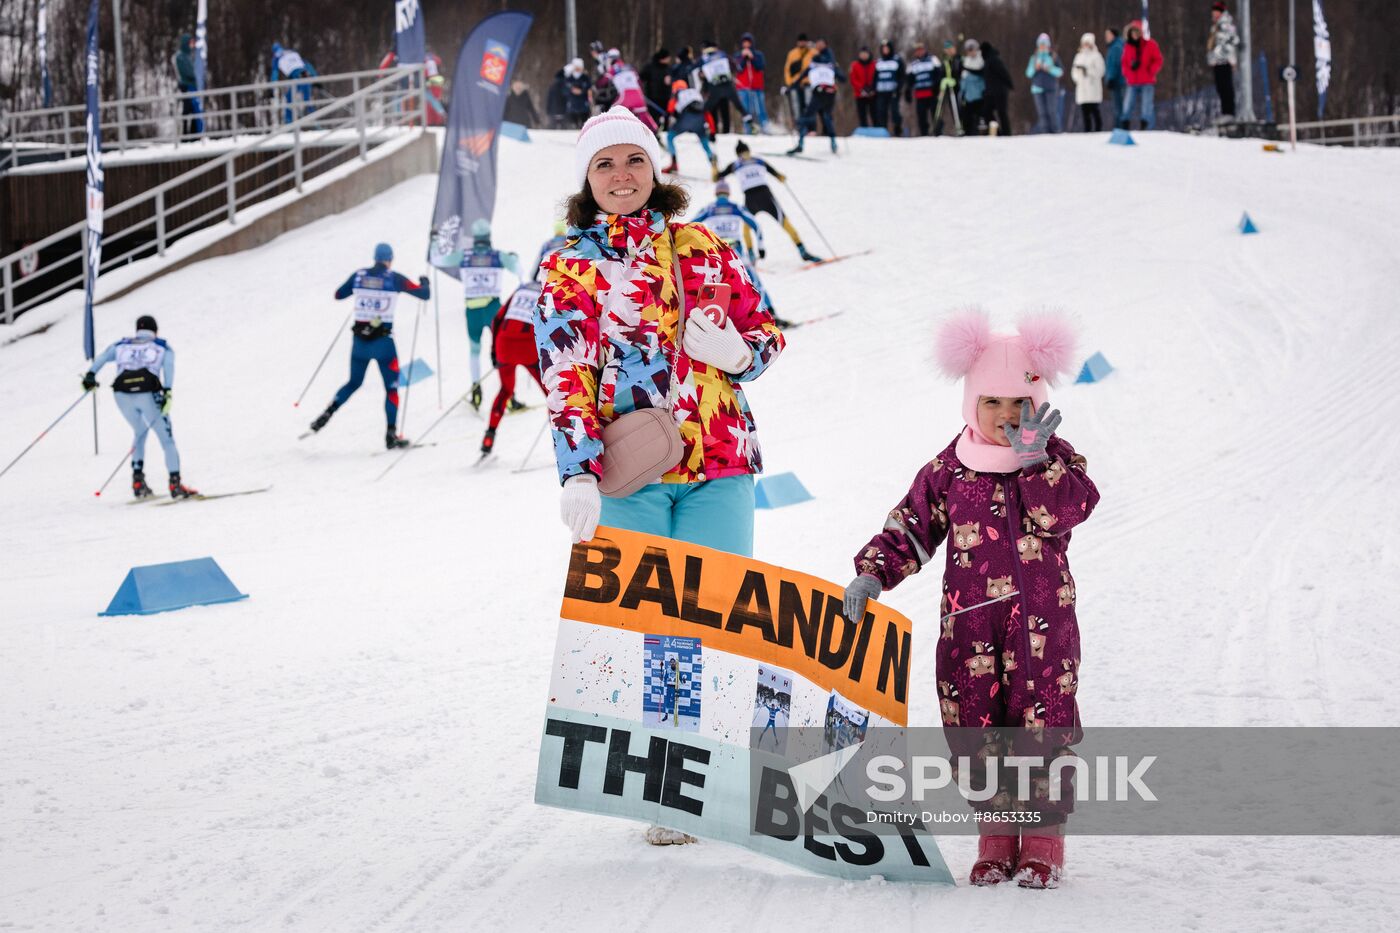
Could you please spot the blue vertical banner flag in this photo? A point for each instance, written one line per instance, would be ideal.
(1146, 29)
(1322, 55)
(94, 182)
(467, 177)
(410, 44)
(44, 81)
(201, 44)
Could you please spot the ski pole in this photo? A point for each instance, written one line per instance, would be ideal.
(795, 199)
(986, 602)
(419, 440)
(412, 355)
(45, 431)
(124, 458)
(437, 334)
(534, 445)
(297, 403)
(957, 120)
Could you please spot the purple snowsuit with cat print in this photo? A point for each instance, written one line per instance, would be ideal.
(1014, 662)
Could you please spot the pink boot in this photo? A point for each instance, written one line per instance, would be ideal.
(996, 860)
(1042, 861)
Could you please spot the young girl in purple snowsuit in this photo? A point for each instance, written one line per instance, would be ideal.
(1005, 494)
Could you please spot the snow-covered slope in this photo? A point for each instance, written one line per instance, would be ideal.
(353, 748)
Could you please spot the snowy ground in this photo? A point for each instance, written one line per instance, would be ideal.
(353, 748)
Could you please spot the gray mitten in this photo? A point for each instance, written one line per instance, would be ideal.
(1029, 440)
(858, 591)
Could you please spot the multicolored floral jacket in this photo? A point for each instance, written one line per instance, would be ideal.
(605, 326)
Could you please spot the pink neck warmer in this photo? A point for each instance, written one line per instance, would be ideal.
(978, 453)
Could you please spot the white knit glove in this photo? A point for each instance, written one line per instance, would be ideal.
(580, 506)
(721, 347)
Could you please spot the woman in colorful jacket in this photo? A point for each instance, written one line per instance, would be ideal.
(606, 330)
(1142, 59)
(1044, 70)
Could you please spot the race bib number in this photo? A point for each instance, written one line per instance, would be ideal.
(146, 356)
(716, 69)
(374, 306)
(822, 76)
(687, 97)
(290, 62)
(751, 175)
(522, 305)
(728, 227)
(481, 283)
(627, 80)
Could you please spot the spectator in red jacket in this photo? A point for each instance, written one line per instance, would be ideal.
(749, 66)
(863, 84)
(1142, 59)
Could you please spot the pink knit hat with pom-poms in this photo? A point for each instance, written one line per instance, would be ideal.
(1017, 364)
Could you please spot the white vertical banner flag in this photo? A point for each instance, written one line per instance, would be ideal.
(1322, 54)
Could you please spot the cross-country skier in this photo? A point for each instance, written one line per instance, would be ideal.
(512, 345)
(688, 106)
(288, 65)
(481, 288)
(720, 92)
(737, 228)
(629, 86)
(758, 197)
(1006, 495)
(143, 397)
(822, 74)
(772, 723)
(376, 291)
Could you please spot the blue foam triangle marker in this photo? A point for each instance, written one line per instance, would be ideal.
(1247, 224)
(416, 371)
(879, 132)
(1121, 137)
(515, 131)
(776, 492)
(164, 587)
(1095, 369)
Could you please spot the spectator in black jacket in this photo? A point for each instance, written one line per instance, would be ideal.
(999, 88)
(656, 84)
(577, 84)
(556, 103)
(520, 106)
(184, 74)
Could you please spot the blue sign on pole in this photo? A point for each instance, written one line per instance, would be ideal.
(467, 178)
(410, 45)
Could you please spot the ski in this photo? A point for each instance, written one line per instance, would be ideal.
(205, 497)
(827, 262)
(413, 446)
(812, 320)
(790, 155)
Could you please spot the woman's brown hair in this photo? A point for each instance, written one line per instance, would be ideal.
(667, 199)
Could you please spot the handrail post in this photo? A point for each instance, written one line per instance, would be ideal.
(423, 94)
(160, 222)
(296, 155)
(231, 190)
(360, 126)
(5, 278)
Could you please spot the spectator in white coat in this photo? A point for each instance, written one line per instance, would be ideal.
(1087, 72)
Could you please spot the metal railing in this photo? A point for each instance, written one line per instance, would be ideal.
(1379, 131)
(284, 157)
(135, 122)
